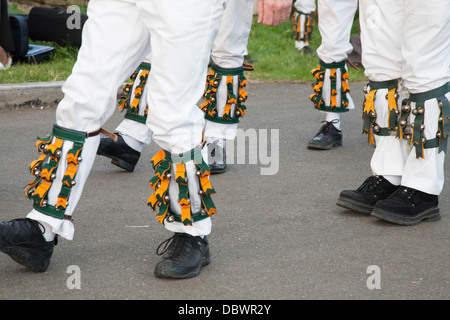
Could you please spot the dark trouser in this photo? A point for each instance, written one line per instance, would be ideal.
(6, 39)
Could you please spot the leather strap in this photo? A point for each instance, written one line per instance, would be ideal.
(67, 217)
(104, 132)
(351, 64)
(248, 67)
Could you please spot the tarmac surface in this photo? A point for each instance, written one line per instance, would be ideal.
(278, 236)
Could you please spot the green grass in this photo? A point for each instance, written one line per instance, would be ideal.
(279, 60)
(58, 68)
(272, 47)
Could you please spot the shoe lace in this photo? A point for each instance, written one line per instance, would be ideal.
(176, 242)
(405, 192)
(40, 226)
(370, 183)
(326, 126)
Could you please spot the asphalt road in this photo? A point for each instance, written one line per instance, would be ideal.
(275, 237)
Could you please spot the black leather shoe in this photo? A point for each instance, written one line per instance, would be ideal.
(363, 199)
(326, 138)
(408, 206)
(216, 168)
(183, 258)
(307, 50)
(119, 152)
(22, 240)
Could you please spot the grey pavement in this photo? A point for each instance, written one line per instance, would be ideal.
(277, 236)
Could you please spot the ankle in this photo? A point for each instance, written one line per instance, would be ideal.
(47, 232)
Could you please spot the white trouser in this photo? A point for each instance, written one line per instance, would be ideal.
(228, 51)
(305, 6)
(335, 24)
(138, 132)
(230, 45)
(116, 38)
(408, 40)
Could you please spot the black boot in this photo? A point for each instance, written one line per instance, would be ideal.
(184, 257)
(363, 199)
(326, 138)
(217, 158)
(22, 240)
(119, 152)
(408, 206)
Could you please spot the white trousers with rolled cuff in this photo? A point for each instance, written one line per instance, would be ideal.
(306, 7)
(410, 41)
(335, 24)
(228, 51)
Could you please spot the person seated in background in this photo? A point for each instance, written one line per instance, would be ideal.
(6, 38)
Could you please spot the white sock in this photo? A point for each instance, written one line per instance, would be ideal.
(46, 231)
(132, 143)
(334, 118)
(395, 180)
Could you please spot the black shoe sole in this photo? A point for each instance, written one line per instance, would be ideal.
(166, 274)
(117, 161)
(326, 147)
(354, 205)
(218, 170)
(431, 214)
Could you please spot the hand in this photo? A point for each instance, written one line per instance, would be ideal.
(273, 12)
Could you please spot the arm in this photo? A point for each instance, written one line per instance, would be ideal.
(273, 12)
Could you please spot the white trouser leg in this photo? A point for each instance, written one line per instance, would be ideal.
(335, 23)
(101, 68)
(426, 54)
(134, 130)
(90, 91)
(305, 6)
(176, 84)
(221, 130)
(326, 90)
(199, 228)
(409, 40)
(426, 44)
(228, 51)
(426, 174)
(230, 45)
(381, 56)
(390, 153)
(381, 39)
(65, 228)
